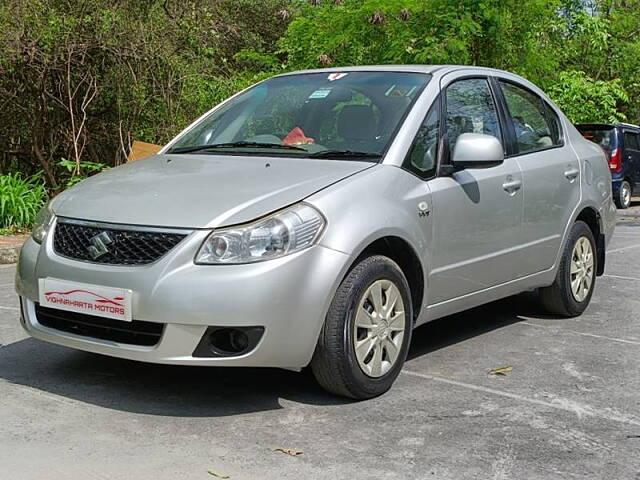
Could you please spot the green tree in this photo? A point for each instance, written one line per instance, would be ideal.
(80, 80)
(585, 100)
(495, 33)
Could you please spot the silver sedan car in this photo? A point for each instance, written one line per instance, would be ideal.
(318, 217)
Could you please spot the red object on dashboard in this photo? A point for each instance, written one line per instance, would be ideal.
(296, 137)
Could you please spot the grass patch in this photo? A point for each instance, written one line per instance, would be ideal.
(20, 200)
(14, 231)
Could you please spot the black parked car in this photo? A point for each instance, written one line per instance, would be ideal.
(621, 141)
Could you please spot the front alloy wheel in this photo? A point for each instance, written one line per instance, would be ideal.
(378, 329)
(365, 337)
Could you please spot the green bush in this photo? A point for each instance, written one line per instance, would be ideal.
(82, 80)
(20, 200)
(74, 173)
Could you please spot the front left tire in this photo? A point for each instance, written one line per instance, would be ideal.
(365, 338)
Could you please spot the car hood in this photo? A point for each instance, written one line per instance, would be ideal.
(199, 191)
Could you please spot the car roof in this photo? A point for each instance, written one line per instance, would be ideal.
(435, 70)
(607, 125)
(627, 125)
(401, 68)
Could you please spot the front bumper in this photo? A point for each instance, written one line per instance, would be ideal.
(289, 297)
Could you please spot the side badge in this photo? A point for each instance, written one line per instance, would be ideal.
(423, 209)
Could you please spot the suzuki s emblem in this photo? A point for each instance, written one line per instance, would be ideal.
(99, 244)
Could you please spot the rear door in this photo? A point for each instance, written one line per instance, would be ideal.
(550, 171)
(631, 156)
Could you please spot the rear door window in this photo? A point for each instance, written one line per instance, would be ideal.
(536, 125)
(631, 141)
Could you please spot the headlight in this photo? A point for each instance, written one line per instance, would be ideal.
(285, 232)
(42, 223)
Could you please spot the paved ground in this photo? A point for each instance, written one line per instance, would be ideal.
(569, 409)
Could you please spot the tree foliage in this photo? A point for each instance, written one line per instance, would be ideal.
(583, 53)
(79, 80)
(585, 99)
(480, 32)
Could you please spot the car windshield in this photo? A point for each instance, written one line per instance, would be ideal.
(350, 115)
(603, 136)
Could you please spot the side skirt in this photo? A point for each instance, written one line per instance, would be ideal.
(491, 294)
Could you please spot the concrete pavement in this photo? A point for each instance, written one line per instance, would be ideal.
(570, 408)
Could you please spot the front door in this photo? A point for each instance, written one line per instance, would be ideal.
(477, 213)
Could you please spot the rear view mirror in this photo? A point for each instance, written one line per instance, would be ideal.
(477, 150)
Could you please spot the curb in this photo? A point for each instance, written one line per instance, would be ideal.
(10, 246)
(9, 255)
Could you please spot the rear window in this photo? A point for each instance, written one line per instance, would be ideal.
(605, 137)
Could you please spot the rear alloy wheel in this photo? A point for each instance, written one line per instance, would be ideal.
(623, 198)
(365, 338)
(581, 273)
(570, 293)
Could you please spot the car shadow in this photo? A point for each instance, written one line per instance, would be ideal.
(154, 389)
(184, 391)
(477, 321)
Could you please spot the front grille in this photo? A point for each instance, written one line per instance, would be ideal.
(121, 246)
(136, 332)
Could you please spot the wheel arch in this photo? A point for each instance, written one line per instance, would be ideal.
(401, 252)
(592, 218)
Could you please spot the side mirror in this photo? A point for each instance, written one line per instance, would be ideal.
(477, 150)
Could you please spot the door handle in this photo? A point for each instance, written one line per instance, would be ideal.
(512, 186)
(572, 174)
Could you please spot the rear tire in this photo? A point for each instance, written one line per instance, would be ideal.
(571, 292)
(372, 311)
(623, 198)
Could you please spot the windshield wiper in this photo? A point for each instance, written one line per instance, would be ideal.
(344, 154)
(241, 144)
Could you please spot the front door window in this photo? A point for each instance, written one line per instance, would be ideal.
(470, 109)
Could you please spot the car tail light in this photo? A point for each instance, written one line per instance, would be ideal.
(615, 161)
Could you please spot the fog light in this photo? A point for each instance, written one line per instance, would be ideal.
(228, 342)
(238, 340)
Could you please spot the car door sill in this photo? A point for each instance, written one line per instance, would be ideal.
(490, 294)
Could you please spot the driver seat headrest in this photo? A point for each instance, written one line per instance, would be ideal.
(357, 122)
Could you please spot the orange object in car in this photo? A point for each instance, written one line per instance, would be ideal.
(297, 137)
